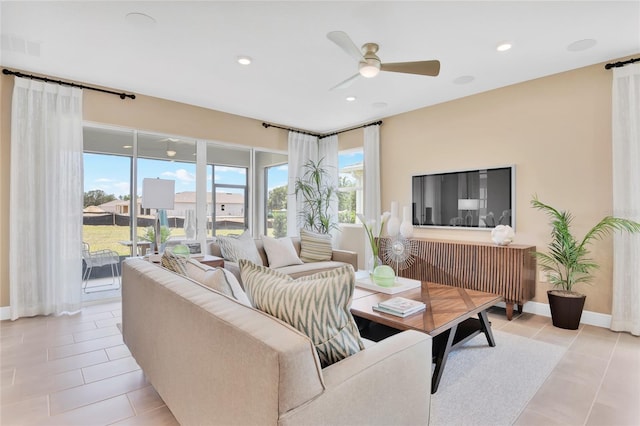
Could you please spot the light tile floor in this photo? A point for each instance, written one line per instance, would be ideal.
(76, 371)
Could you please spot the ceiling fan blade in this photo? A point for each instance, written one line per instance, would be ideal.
(346, 83)
(431, 68)
(345, 43)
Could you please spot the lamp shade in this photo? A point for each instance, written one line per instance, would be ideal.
(468, 204)
(158, 193)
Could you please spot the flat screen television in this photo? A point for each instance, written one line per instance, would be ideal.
(481, 199)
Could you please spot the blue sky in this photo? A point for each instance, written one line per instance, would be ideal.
(110, 173)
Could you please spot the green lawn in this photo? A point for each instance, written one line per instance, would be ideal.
(102, 237)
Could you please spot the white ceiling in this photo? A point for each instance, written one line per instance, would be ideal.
(189, 54)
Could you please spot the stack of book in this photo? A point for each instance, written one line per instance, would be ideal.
(400, 306)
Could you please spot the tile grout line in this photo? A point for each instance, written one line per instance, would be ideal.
(604, 374)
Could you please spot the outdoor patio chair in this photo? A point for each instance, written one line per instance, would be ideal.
(97, 259)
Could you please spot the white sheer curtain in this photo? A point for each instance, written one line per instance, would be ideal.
(328, 150)
(372, 197)
(625, 311)
(46, 197)
(302, 148)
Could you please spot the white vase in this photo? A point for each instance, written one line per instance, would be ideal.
(190, 224)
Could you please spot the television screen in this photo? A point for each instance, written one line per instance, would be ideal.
(482, 198)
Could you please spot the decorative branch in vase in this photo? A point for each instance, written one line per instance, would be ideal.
(374, 240)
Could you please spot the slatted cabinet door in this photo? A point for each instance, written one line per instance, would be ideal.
(506, 270)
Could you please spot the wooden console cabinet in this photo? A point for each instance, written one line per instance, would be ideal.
(506, 270)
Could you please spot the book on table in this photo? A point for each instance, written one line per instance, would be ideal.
(400, 306)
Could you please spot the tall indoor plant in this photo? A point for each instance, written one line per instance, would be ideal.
(317, 193)
(567, 261)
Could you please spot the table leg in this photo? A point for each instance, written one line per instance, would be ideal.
(442, 352)
(509, 307)
(485, 326)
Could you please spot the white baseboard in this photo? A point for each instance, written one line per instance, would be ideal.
(591, 318)
(5, 313)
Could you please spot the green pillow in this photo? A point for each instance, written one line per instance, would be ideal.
(317, 305)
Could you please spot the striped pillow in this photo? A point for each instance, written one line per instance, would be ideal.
(317, 305)
(315, 247)
(234, 248)
(174, 262)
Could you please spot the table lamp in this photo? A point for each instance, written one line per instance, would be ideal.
(158, 194)
(468, 205)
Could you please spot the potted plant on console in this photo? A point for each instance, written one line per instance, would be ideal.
(567, 261)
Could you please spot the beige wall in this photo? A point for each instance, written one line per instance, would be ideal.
(556, 130)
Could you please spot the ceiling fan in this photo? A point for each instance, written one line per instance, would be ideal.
(369, 64)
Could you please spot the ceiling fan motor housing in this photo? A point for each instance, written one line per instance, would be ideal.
(370, 67)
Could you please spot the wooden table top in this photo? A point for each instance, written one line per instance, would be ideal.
(446, 306)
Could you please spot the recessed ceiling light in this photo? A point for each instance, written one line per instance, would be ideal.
(244, 60)
(350, 98)
(171, 153)
(503, 47)
(127, 146)
(464, 79)
(580, 45)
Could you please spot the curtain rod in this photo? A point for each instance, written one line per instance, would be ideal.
(318, 135)
(65, 83)
(267, 125)
(621, 64)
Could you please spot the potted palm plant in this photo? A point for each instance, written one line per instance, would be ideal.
(317, 193)
(567, 262)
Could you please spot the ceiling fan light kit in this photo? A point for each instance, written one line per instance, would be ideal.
(369, 64)
(370, 68)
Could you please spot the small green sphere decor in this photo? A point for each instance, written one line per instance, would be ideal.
(384, 276)
(181, 250)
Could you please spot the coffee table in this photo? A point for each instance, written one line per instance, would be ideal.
(449, 317)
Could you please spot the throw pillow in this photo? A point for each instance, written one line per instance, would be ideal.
(218, 279)
(317, 305)
(234, 248)
(280, 252)
(315, 247)
(174, 262)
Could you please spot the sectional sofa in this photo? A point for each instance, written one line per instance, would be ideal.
(216, 360)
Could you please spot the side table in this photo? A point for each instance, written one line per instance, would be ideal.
(214, 261)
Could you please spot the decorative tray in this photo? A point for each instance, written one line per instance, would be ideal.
(363, 280)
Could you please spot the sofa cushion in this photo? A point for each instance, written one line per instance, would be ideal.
(234, 248)
(315, 247)
(317, 305)
(218, 279)
(280, 252)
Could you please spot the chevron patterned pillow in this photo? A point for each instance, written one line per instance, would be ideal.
(317, 305)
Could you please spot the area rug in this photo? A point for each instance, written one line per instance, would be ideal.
(491, 386)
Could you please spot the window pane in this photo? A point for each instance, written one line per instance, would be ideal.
(350, 185)
(167, 158)
(277, 188)
(106, 215)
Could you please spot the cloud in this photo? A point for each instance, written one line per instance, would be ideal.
(283, 168)
(181, 175)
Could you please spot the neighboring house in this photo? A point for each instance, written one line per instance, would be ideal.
(227, 204)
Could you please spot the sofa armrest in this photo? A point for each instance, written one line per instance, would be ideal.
(388, 383)
(346, 257)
